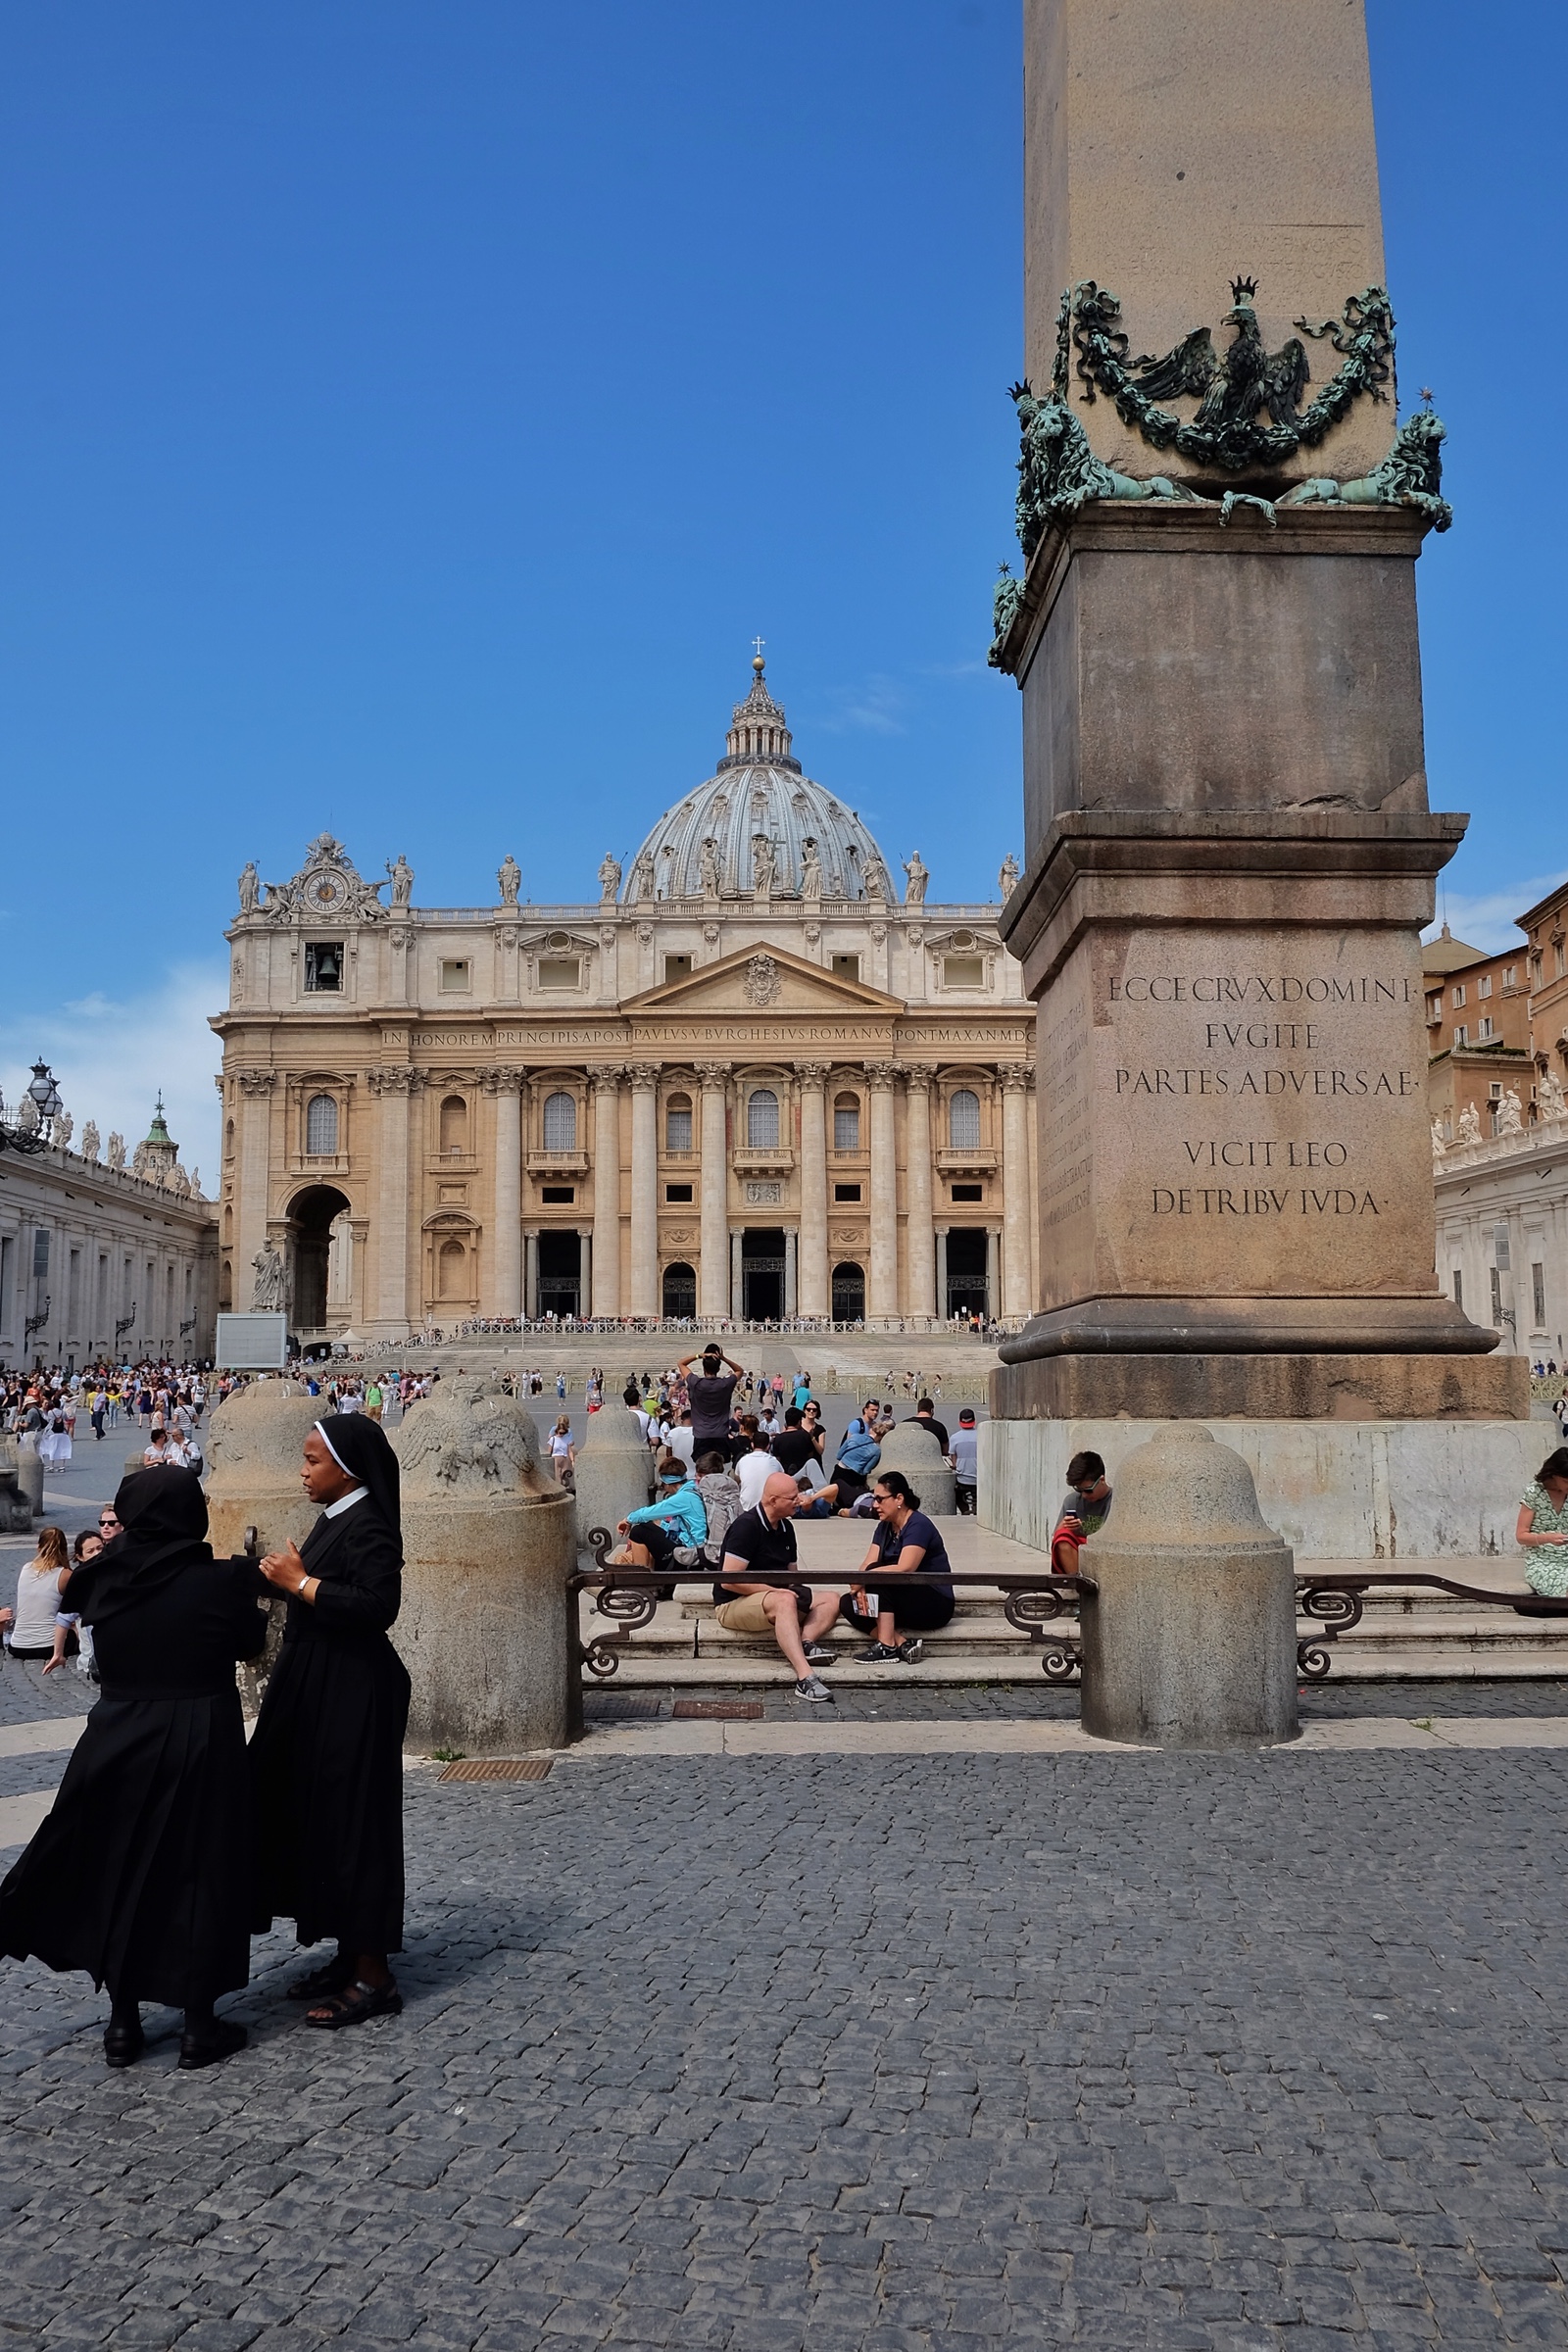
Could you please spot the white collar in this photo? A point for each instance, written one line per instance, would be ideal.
(346, 1503)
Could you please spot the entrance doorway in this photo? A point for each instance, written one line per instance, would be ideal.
(679, 1292)
(968, 1291)
(560, 1273)
(763, 1275)
(310, 1235)
(849, 1293)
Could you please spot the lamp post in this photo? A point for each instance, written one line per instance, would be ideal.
(44, 1096)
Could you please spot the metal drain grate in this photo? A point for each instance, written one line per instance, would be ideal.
(499, 1768)
(610, 1706)
(722, 1710)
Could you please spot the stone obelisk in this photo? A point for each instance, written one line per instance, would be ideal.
(1230, 850)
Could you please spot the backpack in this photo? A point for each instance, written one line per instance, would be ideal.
(860, 1452)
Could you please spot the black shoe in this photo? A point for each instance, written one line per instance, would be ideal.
(818, 1653)
(220, 2039)
(911, 1652)
(880, 1653)
(122, 2044)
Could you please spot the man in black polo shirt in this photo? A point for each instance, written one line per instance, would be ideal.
(756, 1591)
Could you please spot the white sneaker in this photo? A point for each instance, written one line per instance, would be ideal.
(812, 1687)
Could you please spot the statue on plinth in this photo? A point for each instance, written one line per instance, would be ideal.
(810, 872)
(1469, 1125)
(90, 1141)
(707, 873)
(877, 885)
(250, 886)
(268, 1296)
(510, 877)
(1007, 879)
(402, 875)
(1549, 1099)
(608, 881)
(1510, 1113)
(917, 875)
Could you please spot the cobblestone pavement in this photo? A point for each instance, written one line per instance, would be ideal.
(871, 2054)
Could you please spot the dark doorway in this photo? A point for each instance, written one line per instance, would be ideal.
(763, 1275)
(560, 1274)
(969, 1292)
(310, 1219)
(680, 1291)
(849, 1293)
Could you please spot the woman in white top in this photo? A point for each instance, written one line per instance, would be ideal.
(562, 1452)
(38, 1587)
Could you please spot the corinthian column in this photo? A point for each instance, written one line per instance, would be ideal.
(256, 1088)
(504, 1286)
(606, 1193)
(644, 1299)
(883, 1300)
(713, 1295)
(921, 1262)
(813, 1263)
(396, 1086)
(1017, 1207)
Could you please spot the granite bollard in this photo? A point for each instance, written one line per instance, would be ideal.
(1190, 1639)
(918, 1453)
(488, 1544)
(614, 1470)
(16, 1505)
(30, 1476)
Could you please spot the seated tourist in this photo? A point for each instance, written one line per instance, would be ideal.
(672, 1522)
(1088, 1496)
(1541, 1531)
(1066, 1542)
(906, 1543)
(756, 1591)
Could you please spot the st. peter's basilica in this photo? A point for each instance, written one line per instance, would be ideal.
(749, 1080)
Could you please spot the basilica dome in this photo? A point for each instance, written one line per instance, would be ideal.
(707, 846)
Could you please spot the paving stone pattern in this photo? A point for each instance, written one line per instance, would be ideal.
(906, 2054)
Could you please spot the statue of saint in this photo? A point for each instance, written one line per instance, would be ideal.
(1549, 1100)
(1512, 1113)
(876, 877)
(1469, 1124)
(810, 872)
(1007, 879)
(402, 882)
(116, 1154)
(641, 885)
(509, 878)
(64, 1126)
(268, 1296)
(1440, 1142)
(91, 1141)
(608, 881)
(762, 866)
(250, 886)
(919, 876)
(707, 873)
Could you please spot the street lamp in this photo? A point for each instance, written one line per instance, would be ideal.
(44, 1096)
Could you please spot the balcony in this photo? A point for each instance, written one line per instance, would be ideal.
(558, 1163)
(967, 1163)
(764, 1160)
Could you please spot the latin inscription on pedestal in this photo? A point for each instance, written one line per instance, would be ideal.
(1235, 1113)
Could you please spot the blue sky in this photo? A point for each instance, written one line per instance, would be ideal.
(414, 410)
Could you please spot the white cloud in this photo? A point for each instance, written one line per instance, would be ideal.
(1489, 919)
(112, 1056)
(873, 708)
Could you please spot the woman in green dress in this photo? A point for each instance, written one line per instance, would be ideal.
(1542, 1530)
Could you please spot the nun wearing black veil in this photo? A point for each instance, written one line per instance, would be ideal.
(142, 1871)
(327, 1749)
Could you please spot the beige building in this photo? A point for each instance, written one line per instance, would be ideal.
(746, 1080)
(100, 1257)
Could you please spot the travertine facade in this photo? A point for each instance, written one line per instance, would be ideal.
(746, 1080)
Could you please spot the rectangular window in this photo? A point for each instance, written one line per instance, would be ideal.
(1461, 1035)
(1434, 1008)
(561, 971)
(1458, 1288)
(1496, 1298)
(677, 1130)
(1499, 1248)
(1510, 975)
(968, 1192)
(1484, 985)
(1487, 1030)
(456, 976)
(324, 967)
(847, 967)
(676, 967)
(846, 1192)
(1458, 996)
(963, 971)
(558, 1195)
(40, 1254)
(1538, 1286)
(677, 1192)
(1558, 957)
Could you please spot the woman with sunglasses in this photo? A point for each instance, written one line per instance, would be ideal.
(906, 1543)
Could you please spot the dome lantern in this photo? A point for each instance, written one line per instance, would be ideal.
(758, 734)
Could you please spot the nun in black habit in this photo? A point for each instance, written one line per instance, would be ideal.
(141, 1874)
(327, 1749)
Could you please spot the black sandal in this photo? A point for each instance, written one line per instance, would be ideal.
(333, 1975)
(358, 2002)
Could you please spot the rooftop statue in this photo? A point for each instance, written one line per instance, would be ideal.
(917, 875)
(402, 880)
(608, 880)
(510, 879)
(249, 888)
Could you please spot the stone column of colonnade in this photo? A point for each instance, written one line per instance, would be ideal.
(713, 1296)
(812, 1268)
(882, 1296)
(1017, 1207)
(644, 1299)
(919, 1238)
(503, 1087)
(606, 1193)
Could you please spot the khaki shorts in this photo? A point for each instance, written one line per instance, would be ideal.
(747, 1614)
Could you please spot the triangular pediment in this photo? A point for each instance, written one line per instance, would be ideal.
(762, 980)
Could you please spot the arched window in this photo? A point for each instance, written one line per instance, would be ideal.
(561, 1123)
(761, 1120)
(321, 1125)
(454, 1124)
(679, 1123)
(452, 1270)
(845, 1122)
(229, 1140)
(963, 1120)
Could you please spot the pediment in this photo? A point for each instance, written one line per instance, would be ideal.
(762, 980)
